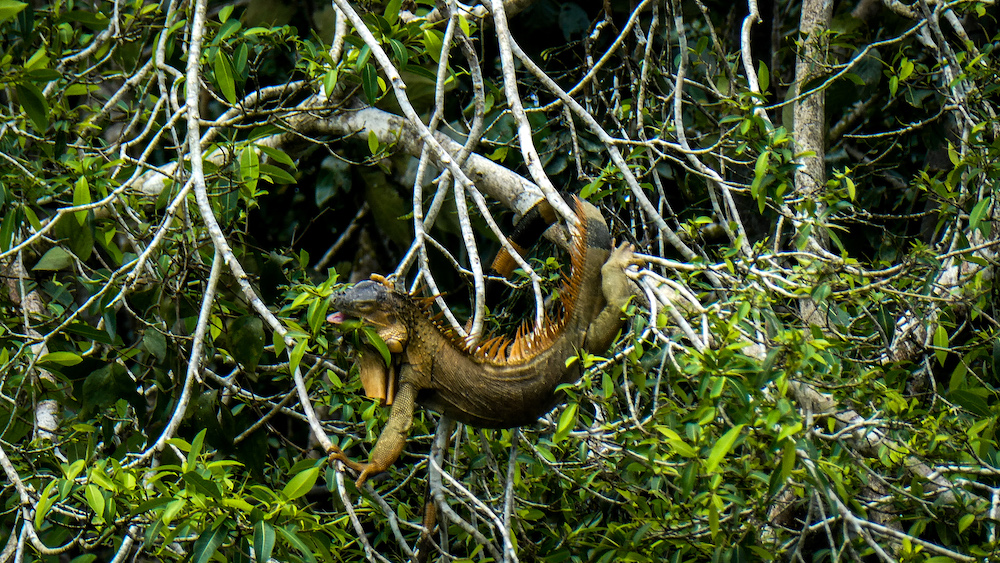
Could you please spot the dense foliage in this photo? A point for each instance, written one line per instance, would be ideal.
(810, 370)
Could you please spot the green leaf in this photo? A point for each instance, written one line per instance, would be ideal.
(94, 21)
(263, 540)
(89, 332)
(392, 11)
(400, 52)
(98, 390)
(246, 338)
(363, 55)
(296, 542)
(301, 483)
(73, 470)
(965, 521)
(905, 68)
(763, 77)
(973, 400)
(224, 76)
(249, 167)
(240, 60)
(789, 456)
(317, 313)
(207, 544)
(463, 23)
(152, 504)
(296, 355)
(722, 448)
(941, 343)
(196, 444)
(277, 155)
(77, 232)
(40, 62)
(154, 342)
(29, 215)
(61, 358)
(81, 196)
(978, 212)
(12, 218)
(45, 502)
(199, 484)
(33, 102)
(433, 41)
(330, 82)
(172, 510)
(369, 82)
(760, 167)
(372, 142)
(567, 420)
(953, 155)
(677, 443)
(10, 8)
(95, 499)
(276, 175)
(279, 343)
(372, 337)
(56, 258)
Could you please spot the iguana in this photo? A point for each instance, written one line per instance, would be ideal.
(502, 382)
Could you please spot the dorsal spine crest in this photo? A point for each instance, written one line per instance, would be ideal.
(527, 342)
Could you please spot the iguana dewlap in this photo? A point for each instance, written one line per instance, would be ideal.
(501, 383)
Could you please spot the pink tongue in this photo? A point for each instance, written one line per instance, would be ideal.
(336, 318)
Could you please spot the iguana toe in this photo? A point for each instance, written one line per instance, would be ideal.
(623, 256)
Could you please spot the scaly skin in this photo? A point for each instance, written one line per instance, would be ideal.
(503, 383)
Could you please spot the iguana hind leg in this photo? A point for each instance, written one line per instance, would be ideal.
(617, 289)
(392, 440)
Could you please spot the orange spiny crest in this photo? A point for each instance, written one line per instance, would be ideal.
(426, 303)
(527, 342)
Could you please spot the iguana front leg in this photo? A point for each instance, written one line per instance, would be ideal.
(617, 289)
(392, 440)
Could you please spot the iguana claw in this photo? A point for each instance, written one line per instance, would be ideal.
(366, 470)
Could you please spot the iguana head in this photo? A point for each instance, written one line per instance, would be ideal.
(377, 305)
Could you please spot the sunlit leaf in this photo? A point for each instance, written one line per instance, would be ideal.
(301, 483)
(45, 502)
(722, 447)
(61, 358)
(392, 9)
(941, 343)
(81, 196)
(763, 77)
(567, 420)
(978, 212)
(10, 8)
